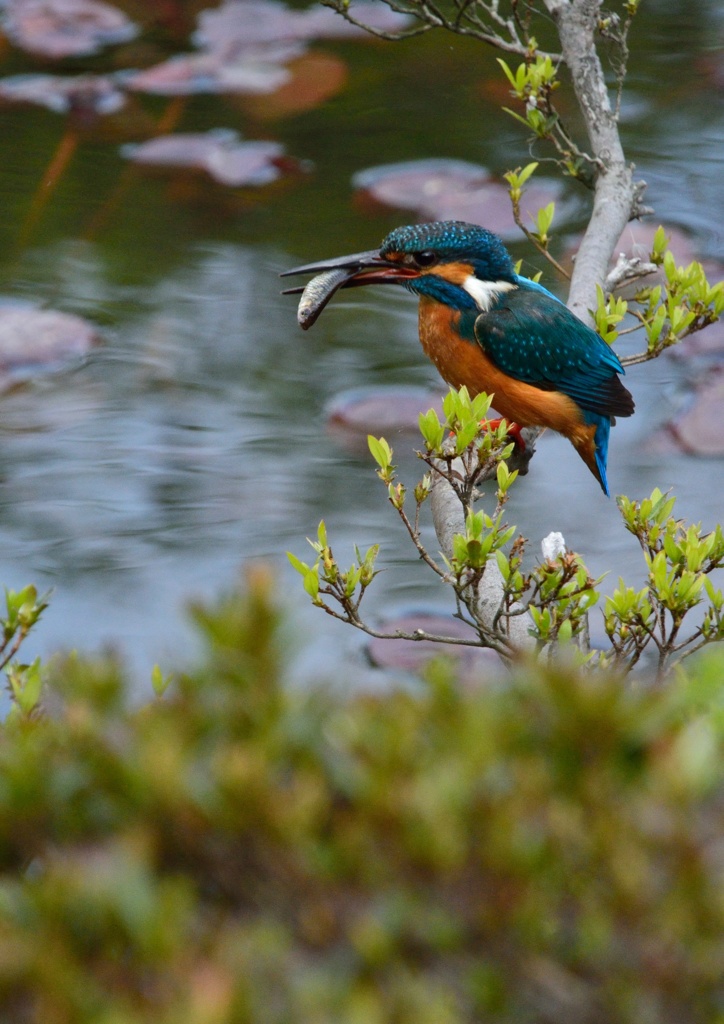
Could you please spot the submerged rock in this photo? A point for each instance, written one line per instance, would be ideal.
(441, 189)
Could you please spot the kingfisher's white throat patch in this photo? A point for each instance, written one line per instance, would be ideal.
(486, 292)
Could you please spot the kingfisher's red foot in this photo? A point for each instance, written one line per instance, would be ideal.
(513, 431)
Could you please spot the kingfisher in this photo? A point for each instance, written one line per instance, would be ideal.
(488, 328)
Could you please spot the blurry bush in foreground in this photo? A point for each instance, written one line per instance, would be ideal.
(238, 851)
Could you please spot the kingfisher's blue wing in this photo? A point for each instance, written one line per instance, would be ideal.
(533, 337)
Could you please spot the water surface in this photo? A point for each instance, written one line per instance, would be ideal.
(193, 439)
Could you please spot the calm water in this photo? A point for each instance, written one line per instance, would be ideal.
(194, 438)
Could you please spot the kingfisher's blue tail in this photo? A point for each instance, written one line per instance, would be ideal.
(600, 439)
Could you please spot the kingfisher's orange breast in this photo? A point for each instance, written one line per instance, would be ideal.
(462, 362)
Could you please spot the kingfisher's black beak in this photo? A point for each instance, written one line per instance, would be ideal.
(359, 268)
(342, 272)
(353, 263)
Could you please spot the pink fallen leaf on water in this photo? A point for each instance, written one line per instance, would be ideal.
(412, 655)
(265, 21)
(246, 43)
(361, 411)
(32, 340)
(700, 430)
(64, 28)
(254, 70)
(219, 153)
(97, 94)
(490, 206)
(441, 189)
(248, 163)
(638, 239)
(415, 183)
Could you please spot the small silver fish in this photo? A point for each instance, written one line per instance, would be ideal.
(317, 294)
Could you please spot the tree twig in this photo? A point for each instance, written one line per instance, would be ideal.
(628, 268)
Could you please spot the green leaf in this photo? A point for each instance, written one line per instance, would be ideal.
(715, 596)
(517, 117)
(381, 451)
(431, 429)
(655, 326)
(526, 172)
(480, 405)
(159, 682)
(508, 73)
(544, 219)
(351, 580)
(311, 582)
(503, 565)
(465, 435)
(301, 567)
(658, 572)
(26, 683)
(565, 631)
(460, 548)
(660, 245)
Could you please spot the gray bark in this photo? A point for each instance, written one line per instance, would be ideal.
(616, 194)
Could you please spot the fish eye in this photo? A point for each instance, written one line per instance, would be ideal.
(426, 258)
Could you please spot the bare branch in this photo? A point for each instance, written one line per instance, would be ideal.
(467, 22)
(628, 268)
(415, 537)
(392, 37)
(639, 357)
(498, 642)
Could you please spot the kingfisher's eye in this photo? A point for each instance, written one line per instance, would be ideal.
(425, 259)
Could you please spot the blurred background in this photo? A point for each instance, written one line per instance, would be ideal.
(184, 425)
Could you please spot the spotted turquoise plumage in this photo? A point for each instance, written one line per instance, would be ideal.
(533, 337)
(516, 335)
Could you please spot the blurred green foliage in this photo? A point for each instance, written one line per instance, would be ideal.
(239, 850)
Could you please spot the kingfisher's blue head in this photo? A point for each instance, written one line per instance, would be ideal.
(446, 243)
(461, 265)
